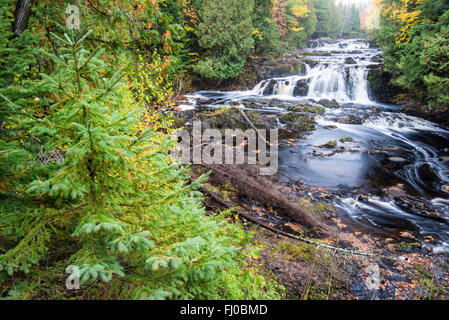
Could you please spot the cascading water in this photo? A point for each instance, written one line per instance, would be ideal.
(328, 82)
(330, 78)
(387, 150)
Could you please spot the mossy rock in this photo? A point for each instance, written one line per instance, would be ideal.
(230, 118)
(347, 139)
(330, 144)
(298, 122)
(314, 109)
(295, 108)
(316, 53)
(332, 104)
(312, 63)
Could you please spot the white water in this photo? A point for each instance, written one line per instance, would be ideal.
(331, 78)
(422, 145)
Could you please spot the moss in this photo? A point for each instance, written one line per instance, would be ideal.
(291, 117)
(347, 139)
(298, 122)
(407, 246)
(333, 104)
(314, 109)
(316, 53)
(316, 207)
(341, 150)
(330, 144)
(295, 108)
(230, 118)
(298, 250)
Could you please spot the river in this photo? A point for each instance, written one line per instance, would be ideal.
(391, 171)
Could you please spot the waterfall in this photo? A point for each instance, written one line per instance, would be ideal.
(332, 77)
(328, 82)
(358, 78)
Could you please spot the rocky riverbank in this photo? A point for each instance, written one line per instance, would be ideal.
(353, 175)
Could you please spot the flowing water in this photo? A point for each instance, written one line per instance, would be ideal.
(395, 176)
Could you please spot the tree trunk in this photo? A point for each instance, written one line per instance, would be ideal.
(21, 16)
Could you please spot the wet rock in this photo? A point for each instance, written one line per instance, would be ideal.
(284, 66)
(316, 53)
(302, 87)
(230, 118)
(381, 88)
(269, 88)
(396, 191)
(372, 66)
(310, 62)
(298, 122)
(305, 107)
(397, 159)
(377, 59)
(333, 104)
(350, 119)
(347, 139)
(329, 145)
(350, 60)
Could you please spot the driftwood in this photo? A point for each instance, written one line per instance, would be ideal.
(265, 191)
(253, 126)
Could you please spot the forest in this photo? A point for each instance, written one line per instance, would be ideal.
(92, 92)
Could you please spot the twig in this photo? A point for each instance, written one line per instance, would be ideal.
(55, 49)
(127, 15)
(253, 126)
(98, 10)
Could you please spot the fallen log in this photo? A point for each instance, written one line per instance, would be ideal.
(225, 204)
(265, 191)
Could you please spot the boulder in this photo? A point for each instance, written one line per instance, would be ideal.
(298, 122)
(332, 104)
(350, 60)
(302, 87)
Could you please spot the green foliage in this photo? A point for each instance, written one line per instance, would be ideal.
(301, 22)
(414, 37)
(17, 69)
(350, 26)
(118, 209)
(266, 36)
(328, 23)
(225, 32)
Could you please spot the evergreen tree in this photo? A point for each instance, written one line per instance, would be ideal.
(414, 37)
(301, 22)
(17, 68)
(225, 32)
(118, 207)
(328, 23)
(266, 35)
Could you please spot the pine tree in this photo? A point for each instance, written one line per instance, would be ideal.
(17, 57)
(118, 208)
(226, 33)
